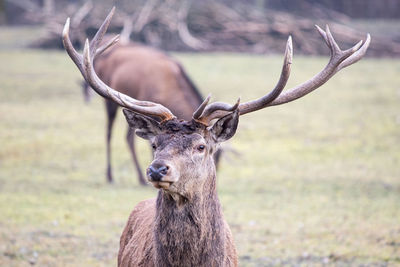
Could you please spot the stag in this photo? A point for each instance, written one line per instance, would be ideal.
(184, 224)
(147, 74)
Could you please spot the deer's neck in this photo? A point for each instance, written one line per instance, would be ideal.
(190, 233)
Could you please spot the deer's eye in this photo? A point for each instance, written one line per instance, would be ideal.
(154, 146)
(201, 148)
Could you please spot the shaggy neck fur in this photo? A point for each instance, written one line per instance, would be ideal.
(189, 231)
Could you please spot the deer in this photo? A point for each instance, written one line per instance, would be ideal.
(148, 74)
(184, 224)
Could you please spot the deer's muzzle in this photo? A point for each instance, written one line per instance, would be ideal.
(159, 174)
(156, 173)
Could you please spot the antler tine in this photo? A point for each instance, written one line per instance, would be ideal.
(104, 47)
(359, 54)
(339, 59)
(216, 110)
(356, 52)
(323, 34)
(85, 65)
(201, 108)
(100, 32)
(335, 49)
(75, 56)
(262, 102)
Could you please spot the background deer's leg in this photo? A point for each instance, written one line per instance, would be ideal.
(130, 138)
(217, 157)
(111, 108)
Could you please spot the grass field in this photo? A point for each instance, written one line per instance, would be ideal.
(317, 181)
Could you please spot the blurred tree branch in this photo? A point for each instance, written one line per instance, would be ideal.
(237, 25)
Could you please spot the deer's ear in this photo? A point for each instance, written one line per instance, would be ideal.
(146, 127)
(225, 127)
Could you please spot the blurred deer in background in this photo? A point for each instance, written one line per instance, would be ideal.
(146, 74)
(184, 225)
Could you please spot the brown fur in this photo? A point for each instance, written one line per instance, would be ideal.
(184, 225)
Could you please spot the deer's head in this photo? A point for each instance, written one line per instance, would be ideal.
(183, 150)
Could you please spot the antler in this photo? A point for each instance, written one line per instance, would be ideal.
(206, 113)
(85, 65)
(339, 59)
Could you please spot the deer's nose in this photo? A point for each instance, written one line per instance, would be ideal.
(156, 171)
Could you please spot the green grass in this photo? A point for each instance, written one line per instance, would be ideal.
(317, 180)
